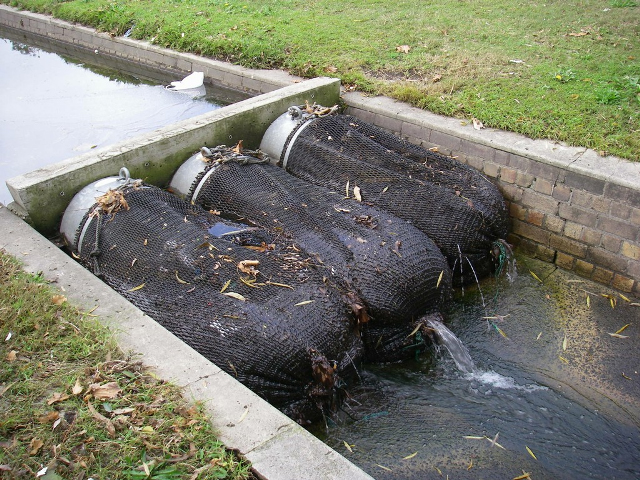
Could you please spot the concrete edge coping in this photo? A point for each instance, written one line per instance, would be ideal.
(277, 447)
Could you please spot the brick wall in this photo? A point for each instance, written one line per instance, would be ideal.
(567, 205)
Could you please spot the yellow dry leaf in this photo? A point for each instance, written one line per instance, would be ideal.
(348, 446)
(180, 280)
(535, 276)
(617, 335)
(531, 453)
(225, 286)
(623, 328)
(347, 189)
(523, 476)
(58, 299)
(564, 342)
(235, 295)
(626, 299)
(11, 356)
(137, 288)
(147, 429)
(383, 467)
(409, 457)
(403, 48)
(237, 148)
(306, 302)
(283, 285)
(439, 278)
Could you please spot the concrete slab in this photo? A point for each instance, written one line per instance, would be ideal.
(277, 447)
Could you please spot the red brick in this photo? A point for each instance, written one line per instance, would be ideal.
(544, 253)
(531, 232)
(554, 224)
(511, 192)
(540, 202)
(543, 186)
(591, 236)
(562, 193)
(491, 169)
(524, 179)
(630, 250)
(567, 245)
(508, 174)
(582, 198)
(622, 283)
(611, 243)
(564, 261)
(618, 227)
(608, 260)
(517, 211)
(573, 230)
(579, 215)
(582, 268)
(535, 218)
(601, 204)
(602, 275)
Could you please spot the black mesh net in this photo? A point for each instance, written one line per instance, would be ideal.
(456, 206)
(250, 302)
(391, 272)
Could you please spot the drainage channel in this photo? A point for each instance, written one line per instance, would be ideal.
(423, 415)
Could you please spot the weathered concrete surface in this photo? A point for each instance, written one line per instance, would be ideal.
(154, 157)
(276, 446)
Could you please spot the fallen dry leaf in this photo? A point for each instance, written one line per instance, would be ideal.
(57, 397)
(581, 33)
(11, 356)
(331, 69)
(50, 417)
(106, 391)
(35, 445)
(111, 430)
(58, 299)
(436, 78)
(403, 48)
(247, 266)
(77, 388)
(477, 124)
(356, 193)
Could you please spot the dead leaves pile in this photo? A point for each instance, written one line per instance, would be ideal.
(112, 202)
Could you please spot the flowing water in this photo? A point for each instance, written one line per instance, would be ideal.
(541, 373)
(59, 105)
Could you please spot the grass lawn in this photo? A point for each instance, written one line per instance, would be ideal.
(563, 70)
(73, 406)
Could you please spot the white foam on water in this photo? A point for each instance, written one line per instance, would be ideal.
(496, 380)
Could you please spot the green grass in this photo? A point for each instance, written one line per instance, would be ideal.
(72, 403)
(555, 69)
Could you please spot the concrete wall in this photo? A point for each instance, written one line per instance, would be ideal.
(568, 205)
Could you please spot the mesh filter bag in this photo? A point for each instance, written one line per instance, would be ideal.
(251, 303)
(456, 206)
(391, 271)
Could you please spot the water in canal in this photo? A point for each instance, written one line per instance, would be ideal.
(546, 380)
(55, 106)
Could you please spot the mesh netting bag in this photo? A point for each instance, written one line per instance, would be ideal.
(251, 303)
(391, 272)
(455, 205)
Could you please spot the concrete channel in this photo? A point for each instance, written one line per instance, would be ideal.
(568, 206)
